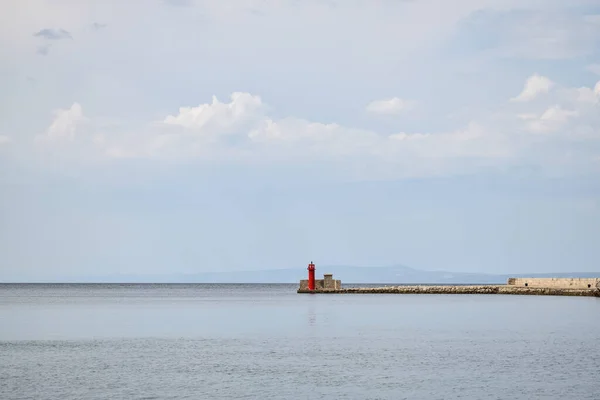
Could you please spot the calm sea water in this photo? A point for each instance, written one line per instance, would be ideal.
(267, 342)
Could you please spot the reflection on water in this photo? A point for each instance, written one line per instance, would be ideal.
(312, 313)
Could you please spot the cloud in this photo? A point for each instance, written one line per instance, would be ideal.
(586, 95)
(534, 86)
(297, 138)
(572, 113)
(217, 115)
(300, 138)
(97, 26)
(551, 120)
(241, 132)
(53, 34)
(4, 140)
(394, 105)
(65, 123)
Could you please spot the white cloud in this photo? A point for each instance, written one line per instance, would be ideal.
(394, 105)
(297, 141)
(472, 141)
(218, 115)
(571, 113)
(240, 132)
(586, 95)
(66, 122)
(297, 138)
(4, 140)
(551, 120)
(534, 86)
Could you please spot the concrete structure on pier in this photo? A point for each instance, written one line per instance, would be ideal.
(556, 283)
(325, 284)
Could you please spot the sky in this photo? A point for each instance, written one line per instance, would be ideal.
(182, 136)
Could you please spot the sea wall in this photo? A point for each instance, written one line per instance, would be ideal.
(557, 283)
(472, 289)
(519, 286)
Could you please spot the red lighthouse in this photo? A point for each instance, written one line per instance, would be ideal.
(311, 276)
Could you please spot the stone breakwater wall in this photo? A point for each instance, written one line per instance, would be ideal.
(474, 289)
(559, 283)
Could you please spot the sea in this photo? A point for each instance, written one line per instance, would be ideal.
(253, 341)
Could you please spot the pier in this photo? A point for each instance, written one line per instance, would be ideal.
(516, 286)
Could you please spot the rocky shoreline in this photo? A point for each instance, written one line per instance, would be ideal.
(471, 289)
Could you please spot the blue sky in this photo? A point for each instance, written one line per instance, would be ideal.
(182, 136)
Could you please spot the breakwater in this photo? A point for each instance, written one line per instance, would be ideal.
(516, 286)
(471, 289)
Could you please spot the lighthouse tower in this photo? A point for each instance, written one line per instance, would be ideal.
(311, 276)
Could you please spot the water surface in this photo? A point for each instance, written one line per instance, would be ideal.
(265, 341)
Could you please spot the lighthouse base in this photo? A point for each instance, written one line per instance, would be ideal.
(321, 285)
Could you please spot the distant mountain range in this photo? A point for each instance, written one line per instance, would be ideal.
(347, 274)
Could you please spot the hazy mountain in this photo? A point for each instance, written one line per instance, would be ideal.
(348, 274)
